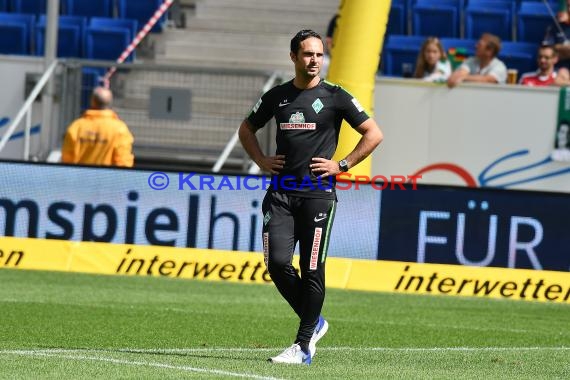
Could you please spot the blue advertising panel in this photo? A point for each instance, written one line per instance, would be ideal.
(480, 227)
(162, 208)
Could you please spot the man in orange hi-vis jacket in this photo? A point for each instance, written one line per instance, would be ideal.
(98, 137)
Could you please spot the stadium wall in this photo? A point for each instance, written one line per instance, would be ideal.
(497, 136)
(20, 75)
(375, 221)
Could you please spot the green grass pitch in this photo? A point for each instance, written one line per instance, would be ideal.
(78, 326)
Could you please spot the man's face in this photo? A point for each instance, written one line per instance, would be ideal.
(481, 49)
(546, 59)
(309, 58)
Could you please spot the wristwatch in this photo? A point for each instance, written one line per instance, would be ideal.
(343, 165)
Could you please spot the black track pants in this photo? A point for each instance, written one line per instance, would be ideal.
(288, 219)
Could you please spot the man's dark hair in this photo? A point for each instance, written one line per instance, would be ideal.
(301, 36)
(548, 46)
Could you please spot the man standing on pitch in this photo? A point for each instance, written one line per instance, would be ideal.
(300, 204)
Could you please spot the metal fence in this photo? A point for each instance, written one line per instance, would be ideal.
(179, 116)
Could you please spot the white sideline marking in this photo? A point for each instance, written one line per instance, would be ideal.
(427, 349)
(441, 349)
(52, 351)
(55, 354)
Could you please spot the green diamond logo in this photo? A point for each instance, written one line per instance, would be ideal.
(266, 218)
(318, 105)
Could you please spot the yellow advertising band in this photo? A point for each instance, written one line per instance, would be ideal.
(248, 267)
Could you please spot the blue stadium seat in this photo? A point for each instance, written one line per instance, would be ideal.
(489, 16)
(79, 21)
(519, 55)
(89, 8)
(533, 20)
(106, 43)
(112, 23)
(439, 18)
(398, 19)
(70, 33)
(13, 38)
(141, 10)
(553, 3)
(401, 50)
(36, 7)
(28, 21)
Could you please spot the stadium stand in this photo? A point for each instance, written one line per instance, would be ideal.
(106, 44)
(461, 22)
(401, 50)
(245, 34)
(457, 49)
(249, 34)
(141, 10)
(489, 16)
(23, 38)
(106, 38)
(533, 19)
(398, 19)
(99, 8)
(13, 39)
(71, 36)
(36, 7)
(519, 55)
(463, 43)
(437, 18)
(116, 23)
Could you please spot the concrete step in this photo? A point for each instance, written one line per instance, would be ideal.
(288, 27)
(226, 58)
(224, 52)
(222, 86)
(238, 12)
(269, 67)
(220, 37)
(322, 6)
(200, 105)
(202, 131)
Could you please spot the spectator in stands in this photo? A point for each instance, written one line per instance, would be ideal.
(98, 137)
(328, 45)
(432, 64)
(562, 13)
(546, 75)
(330, 32)
(484, 67)
(557, 35)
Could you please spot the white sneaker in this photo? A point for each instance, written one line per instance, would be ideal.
(320, 331)
(292, 355)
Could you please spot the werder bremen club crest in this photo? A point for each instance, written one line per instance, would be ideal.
(297, 118)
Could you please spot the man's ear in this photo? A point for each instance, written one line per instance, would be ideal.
(293, 56)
